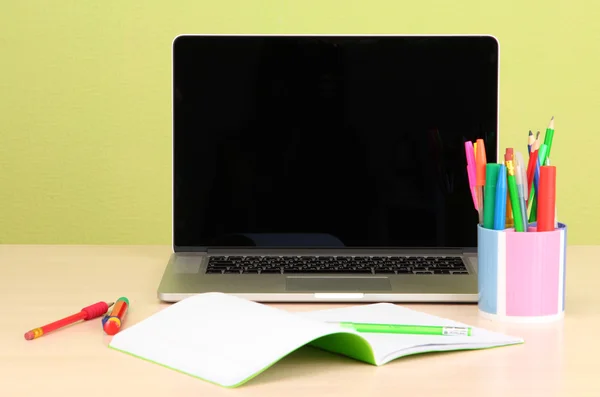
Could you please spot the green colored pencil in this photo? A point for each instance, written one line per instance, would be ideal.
(549, 136)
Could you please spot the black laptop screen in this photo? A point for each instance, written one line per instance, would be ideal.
(303, 141)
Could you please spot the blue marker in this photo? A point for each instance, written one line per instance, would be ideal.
(500, 211)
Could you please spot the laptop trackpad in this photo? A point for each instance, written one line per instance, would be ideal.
(338, 284)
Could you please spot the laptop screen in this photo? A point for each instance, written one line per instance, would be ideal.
(329, 141)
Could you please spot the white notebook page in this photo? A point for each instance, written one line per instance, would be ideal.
(218, 338)
(390, 346)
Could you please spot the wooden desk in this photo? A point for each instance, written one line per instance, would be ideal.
(42, 283)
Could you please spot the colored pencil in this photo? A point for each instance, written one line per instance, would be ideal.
(541, 161)
(530, 141)
(521, 188)
(549, 135)
(530, 172)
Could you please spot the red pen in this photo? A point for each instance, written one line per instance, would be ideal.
(87, 313)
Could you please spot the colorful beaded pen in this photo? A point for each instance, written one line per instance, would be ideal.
(111, 323)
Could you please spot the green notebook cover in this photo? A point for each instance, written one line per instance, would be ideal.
(227, 340)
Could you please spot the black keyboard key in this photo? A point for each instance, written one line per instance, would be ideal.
(220, 264)
(219, 268)
(382, 265)
(423, 272)
(270, 271)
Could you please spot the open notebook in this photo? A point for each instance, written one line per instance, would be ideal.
(228, 340)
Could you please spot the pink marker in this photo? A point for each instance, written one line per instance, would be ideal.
(470, 152)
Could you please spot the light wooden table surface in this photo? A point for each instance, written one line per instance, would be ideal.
(40, 284)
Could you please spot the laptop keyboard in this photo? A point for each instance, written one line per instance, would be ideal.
(452, 265)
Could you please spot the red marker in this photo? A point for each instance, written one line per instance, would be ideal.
(87, 313)
(546, 201)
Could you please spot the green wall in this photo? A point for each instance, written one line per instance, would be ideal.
(85, 128)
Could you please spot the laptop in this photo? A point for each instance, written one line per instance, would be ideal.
(328, 168)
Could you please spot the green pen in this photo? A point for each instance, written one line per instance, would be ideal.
(407, 329)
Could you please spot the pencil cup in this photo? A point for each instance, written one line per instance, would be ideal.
(521, 275)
